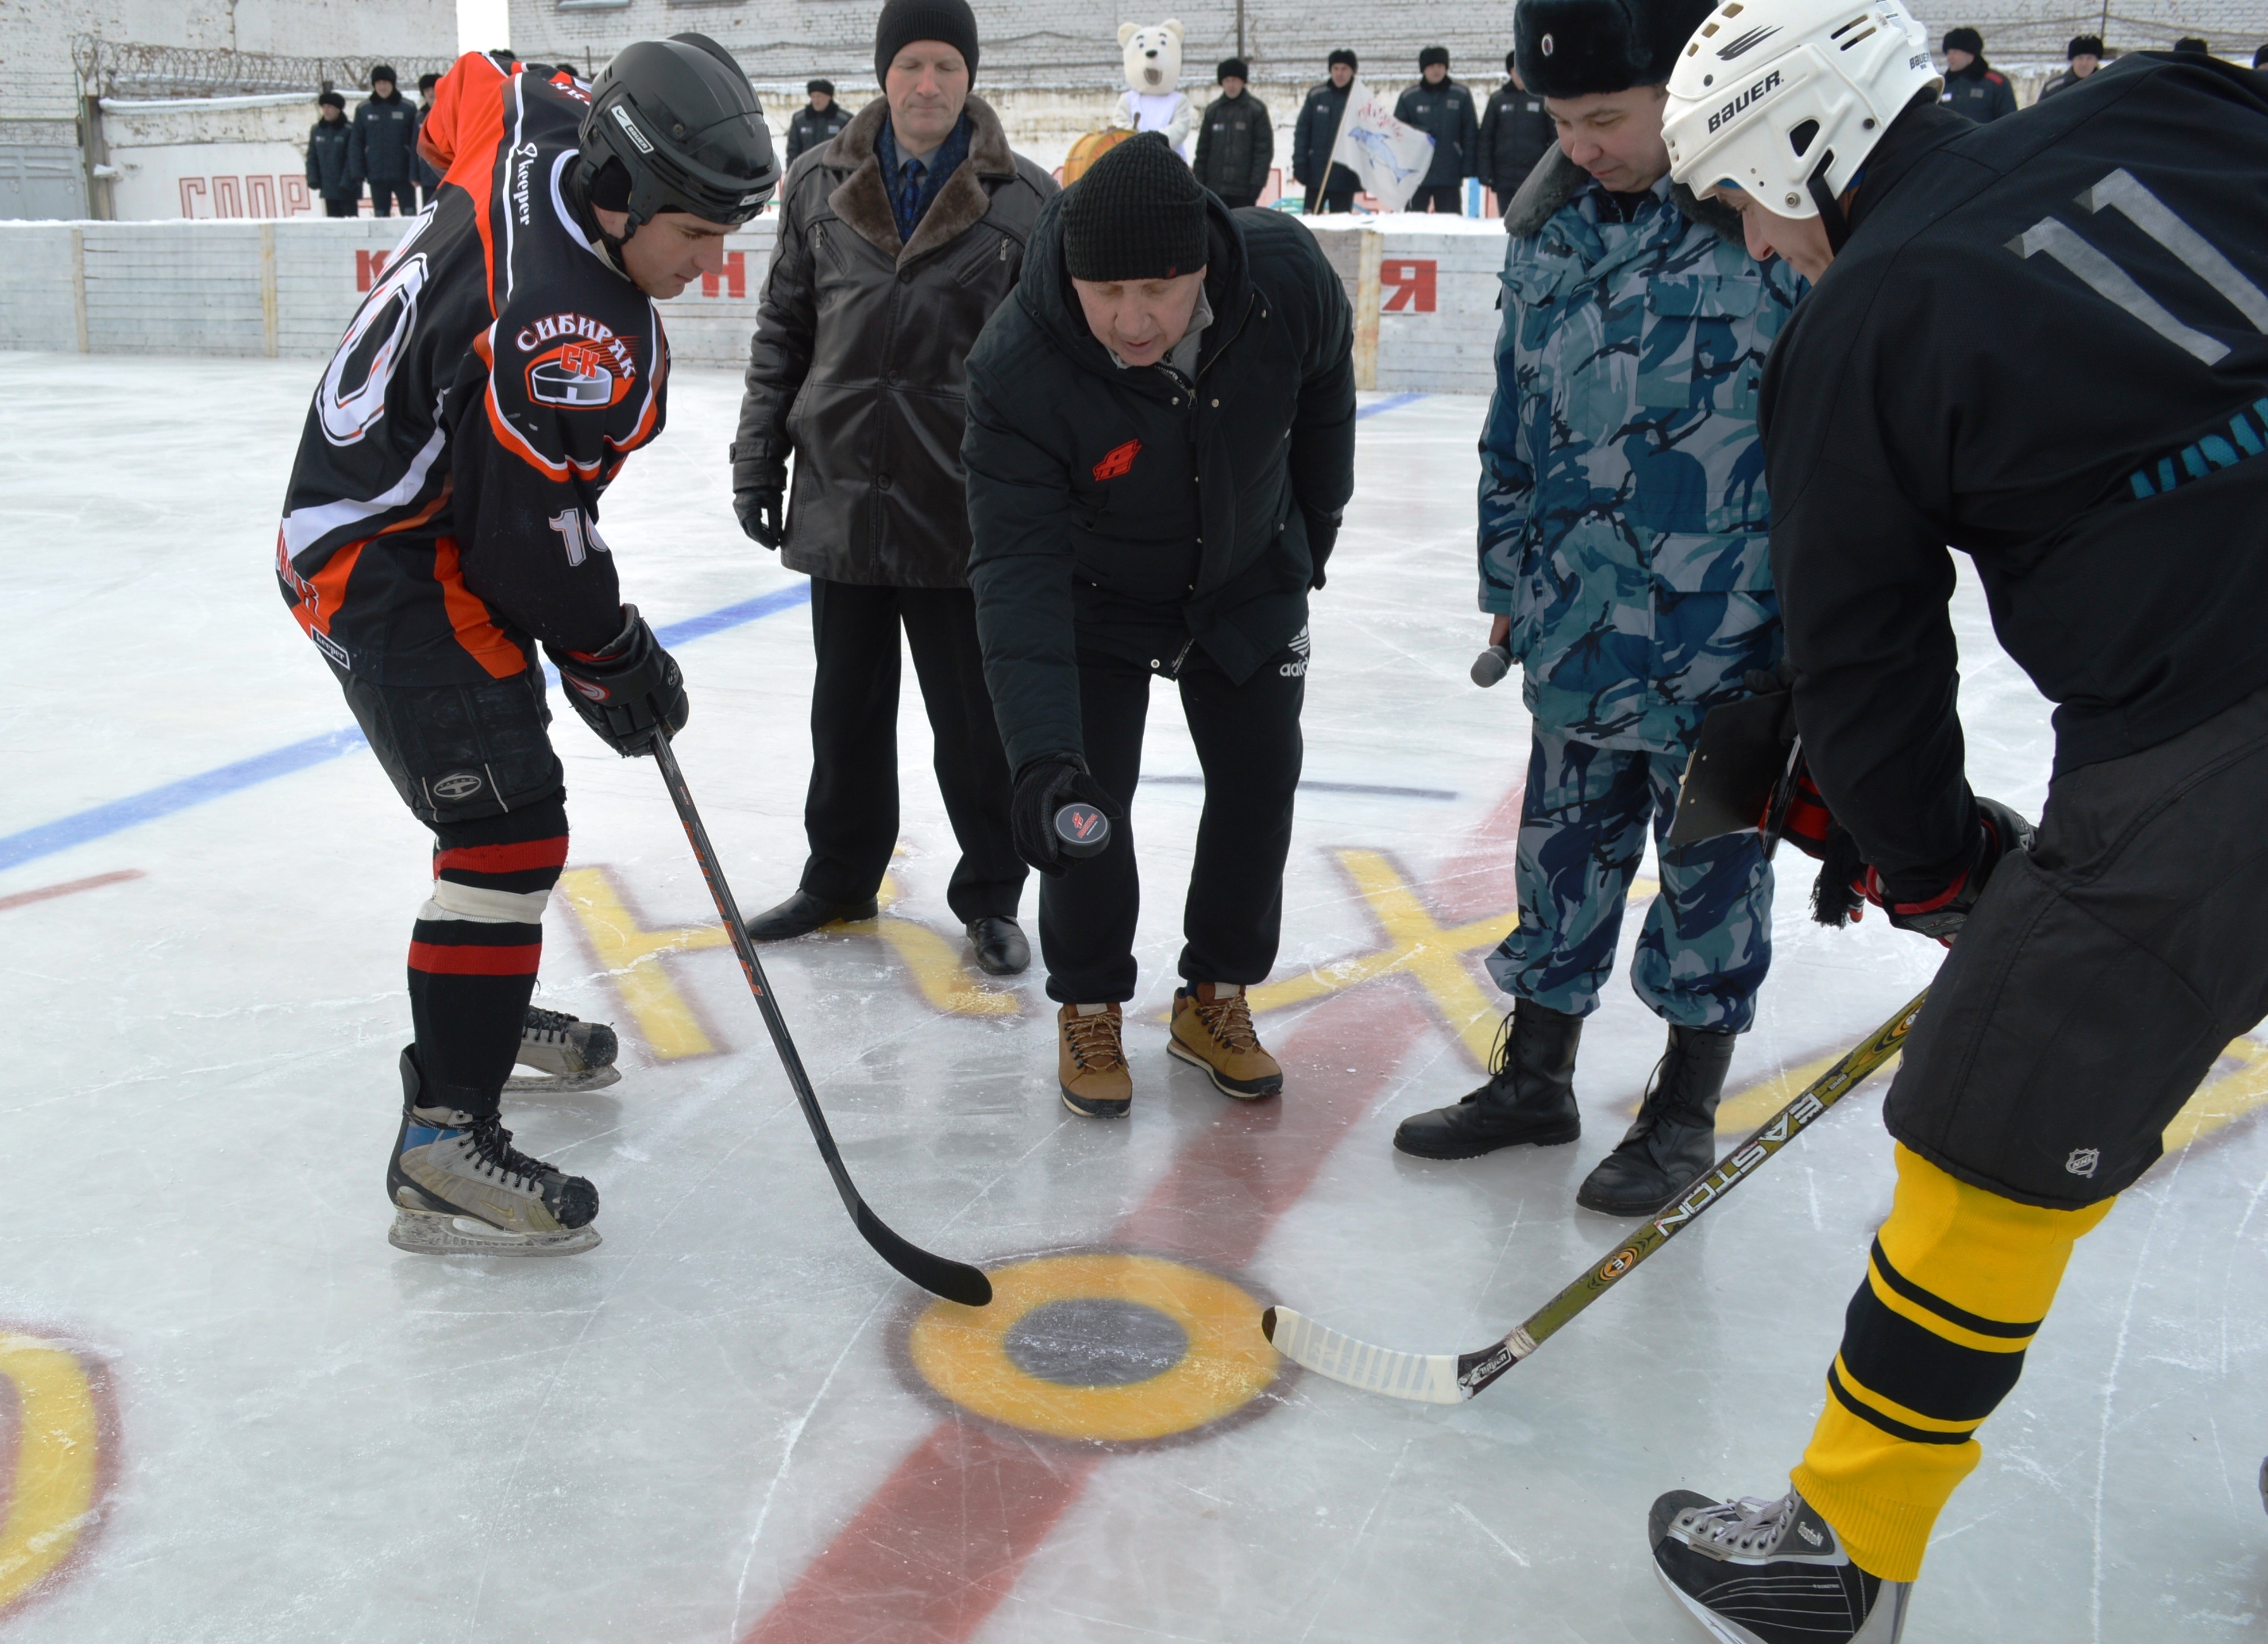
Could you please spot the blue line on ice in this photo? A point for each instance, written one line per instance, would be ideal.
(148, 805)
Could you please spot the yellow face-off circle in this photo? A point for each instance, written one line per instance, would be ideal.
(1110, 1347)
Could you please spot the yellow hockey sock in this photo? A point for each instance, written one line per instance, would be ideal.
(1958, 1282)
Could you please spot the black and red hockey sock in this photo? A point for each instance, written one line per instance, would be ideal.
(474, 954)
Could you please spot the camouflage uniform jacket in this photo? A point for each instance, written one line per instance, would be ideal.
(1623, 521)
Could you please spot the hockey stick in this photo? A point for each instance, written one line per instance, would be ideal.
(1452, 1378)
(955, 1282)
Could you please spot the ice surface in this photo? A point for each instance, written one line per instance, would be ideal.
(707, 1429)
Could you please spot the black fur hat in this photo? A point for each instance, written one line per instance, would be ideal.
(1576, 48)
(1431, 55)
(1341, 55)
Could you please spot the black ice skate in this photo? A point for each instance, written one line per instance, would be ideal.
(1529, 1097)
(458, 1187)
(568, 1053)
(1674, 1138)
(1769, 1573)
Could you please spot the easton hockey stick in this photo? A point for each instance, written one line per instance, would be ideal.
(1451, 1378)
(955, 1282)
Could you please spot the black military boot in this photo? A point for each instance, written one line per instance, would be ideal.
(1676, 1137)
(1529, 1097)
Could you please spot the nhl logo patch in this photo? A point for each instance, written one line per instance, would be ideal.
(2083, 1160)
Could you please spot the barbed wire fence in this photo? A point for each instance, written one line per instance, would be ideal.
(115, 69)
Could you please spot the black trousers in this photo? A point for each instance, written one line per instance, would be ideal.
(1337, 194)
(384, 195)
(850, 812)
(1447, 197)
(1247, 743)
(341, 207)
(2100, 976)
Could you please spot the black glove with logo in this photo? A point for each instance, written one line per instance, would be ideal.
(762, 512)
(629, 691)
(1042, 788)
(2000, 833)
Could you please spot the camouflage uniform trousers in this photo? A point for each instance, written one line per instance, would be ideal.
(1707, 939)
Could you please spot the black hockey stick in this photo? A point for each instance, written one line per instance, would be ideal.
(1451, 1378)
(955, 1282)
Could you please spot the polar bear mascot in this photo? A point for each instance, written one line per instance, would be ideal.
(1153, 69)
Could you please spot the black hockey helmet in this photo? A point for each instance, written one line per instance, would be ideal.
(674, 126)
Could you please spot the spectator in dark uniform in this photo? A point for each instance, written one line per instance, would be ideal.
(1515, 132)
(429, 181)
(1443, 109)
(383, 144)
(330, 159)
(815, 124)
(2197, 43)
(1329, 187)
(2085, 53)
(1235, 144)
(1973, 87)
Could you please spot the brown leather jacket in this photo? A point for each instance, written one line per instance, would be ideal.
(859, 361)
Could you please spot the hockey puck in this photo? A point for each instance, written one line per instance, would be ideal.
(1081, 829)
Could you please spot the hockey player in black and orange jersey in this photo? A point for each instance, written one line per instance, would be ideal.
(443, 521)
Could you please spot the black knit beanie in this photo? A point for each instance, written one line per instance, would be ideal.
(1138, 214)
(1232, 68)
(1341, 55)
(1431, 55)
(904, 22)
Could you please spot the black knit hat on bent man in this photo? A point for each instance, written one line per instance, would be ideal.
(904, 22)
(1578, 48)
(1138, 214)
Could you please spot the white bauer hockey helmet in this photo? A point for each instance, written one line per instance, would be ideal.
(1785, 99)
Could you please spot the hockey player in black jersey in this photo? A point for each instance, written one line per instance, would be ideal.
(443, 521)
(2114, 501)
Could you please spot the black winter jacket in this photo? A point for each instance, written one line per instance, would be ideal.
(1317, 132)
(1514, 134)
(810, 130)
(330, 161)
(1133, 509)
(2113, 497)
(860, 359)
(1444, 113)
(1236, 145)
(385, 143)
(1981, 92)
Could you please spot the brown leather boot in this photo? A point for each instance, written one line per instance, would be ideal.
(1091, 1061)
(1212, 1030)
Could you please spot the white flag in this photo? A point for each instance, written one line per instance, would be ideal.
(1390, 158)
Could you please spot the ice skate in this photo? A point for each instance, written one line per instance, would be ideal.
(1769, 1573)
(567, 1053)
(459, 1188)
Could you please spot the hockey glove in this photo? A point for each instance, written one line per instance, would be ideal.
(762, 515)
(1042, 788)
(628, 690)
(2000, 831)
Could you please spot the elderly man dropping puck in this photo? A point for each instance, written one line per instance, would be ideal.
(1160, 440)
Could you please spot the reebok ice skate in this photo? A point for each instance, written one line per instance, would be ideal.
(1769, 1573)
(458, 1187)
(568, 1053)
(1212, 1030)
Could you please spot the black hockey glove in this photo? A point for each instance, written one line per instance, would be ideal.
(762, 515)
(1042, 788)
(2000, 831)
(629, 691)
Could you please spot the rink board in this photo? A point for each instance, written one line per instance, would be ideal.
(287, 289)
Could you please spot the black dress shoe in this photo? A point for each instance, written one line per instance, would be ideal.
(1529, 1098)
(802, 913)
(1001, 949)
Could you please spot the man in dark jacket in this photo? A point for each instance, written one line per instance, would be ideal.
(897, 240)
(384, 145)
(330, 158)
(1974, 88)
(1329, 187)
(2085, 54)
(428, 178)
(2112, 511)
(1235, 144)
(1515, 132)
(1160, 441)
(1443, 109)
(815, 123)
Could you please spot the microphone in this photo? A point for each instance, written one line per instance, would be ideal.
(1491, 665)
